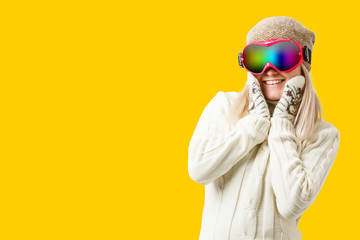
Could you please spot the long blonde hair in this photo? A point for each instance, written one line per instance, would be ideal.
(308, 114)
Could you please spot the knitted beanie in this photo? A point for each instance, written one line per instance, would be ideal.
(282, 27)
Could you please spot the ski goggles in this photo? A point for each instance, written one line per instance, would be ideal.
(283, 55)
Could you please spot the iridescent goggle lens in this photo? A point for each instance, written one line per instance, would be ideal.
(283, 55)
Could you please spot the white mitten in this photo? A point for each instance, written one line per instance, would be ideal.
(257, 105)
(290, 99)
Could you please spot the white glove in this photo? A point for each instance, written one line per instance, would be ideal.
(290, 99)
(257, 105)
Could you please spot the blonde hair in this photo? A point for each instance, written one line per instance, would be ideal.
(308, 113)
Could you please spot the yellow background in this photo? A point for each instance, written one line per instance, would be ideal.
(99, 100)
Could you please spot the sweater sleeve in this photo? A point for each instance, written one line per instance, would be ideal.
(299, 174)
(216, 146)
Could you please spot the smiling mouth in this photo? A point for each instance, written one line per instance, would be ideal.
(274, 82)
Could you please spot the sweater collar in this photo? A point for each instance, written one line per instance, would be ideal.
(272, 102)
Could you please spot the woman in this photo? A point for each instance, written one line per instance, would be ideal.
(263, 154)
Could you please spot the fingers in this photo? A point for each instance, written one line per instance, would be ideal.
(296, 82)
(257, 105)
(251, 80)
(293, 89)
(287, 105)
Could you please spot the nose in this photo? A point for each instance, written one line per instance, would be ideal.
(270, 72)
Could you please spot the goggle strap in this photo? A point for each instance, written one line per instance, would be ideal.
(239, 59)
(307, 54)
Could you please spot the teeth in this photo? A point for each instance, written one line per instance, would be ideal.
(273, 82)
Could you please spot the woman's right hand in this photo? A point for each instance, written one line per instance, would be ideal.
(257, 105)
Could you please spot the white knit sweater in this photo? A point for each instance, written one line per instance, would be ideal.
(259, 177)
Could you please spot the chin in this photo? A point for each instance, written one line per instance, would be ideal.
(273, 97)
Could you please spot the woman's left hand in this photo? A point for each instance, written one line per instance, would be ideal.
(290, 99)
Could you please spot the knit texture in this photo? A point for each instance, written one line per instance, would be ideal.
(271, 105)
(290, 99)
(258, 177)
(257, 105)
(281, 27)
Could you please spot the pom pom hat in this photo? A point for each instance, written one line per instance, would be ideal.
(283, 28)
